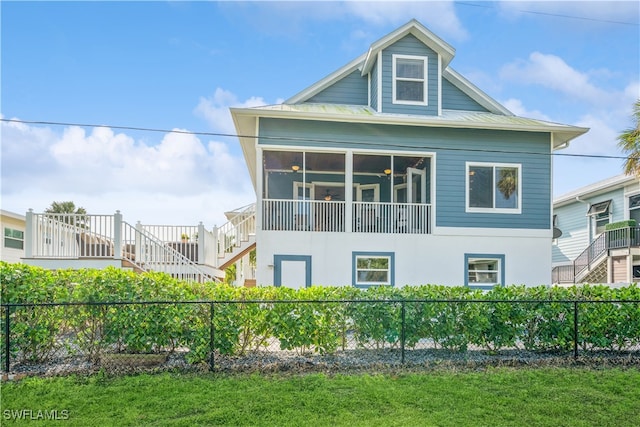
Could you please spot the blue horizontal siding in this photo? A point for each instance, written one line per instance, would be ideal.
(374, 87)
(452, 148)
(409, 45)
(351, 90)
(454, 99)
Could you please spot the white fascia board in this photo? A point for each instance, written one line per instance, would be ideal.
(324, 83)
(247, 130)
(562, 132)
(416, 29)
(474, 92)
(12, 215)
(594, 189)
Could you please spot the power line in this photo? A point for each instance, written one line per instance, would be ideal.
(304, 139)
(557, 15)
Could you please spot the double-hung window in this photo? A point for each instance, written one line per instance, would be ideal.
(409, 79)
(13, 239)
(373, 269)
(494, 187)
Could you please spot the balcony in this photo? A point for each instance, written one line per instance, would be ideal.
(339, 217)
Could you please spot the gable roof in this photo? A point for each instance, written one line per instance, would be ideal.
(364, 62)
(420, 32)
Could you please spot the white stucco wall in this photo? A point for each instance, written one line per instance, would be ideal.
(419, 259)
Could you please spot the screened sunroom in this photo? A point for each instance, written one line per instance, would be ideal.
(346, 192)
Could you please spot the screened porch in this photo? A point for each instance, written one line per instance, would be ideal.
(346, 192)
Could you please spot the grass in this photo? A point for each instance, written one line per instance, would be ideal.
(497, 397)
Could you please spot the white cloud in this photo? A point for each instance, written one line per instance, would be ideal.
(554, 73)
(517, 108)
(439, 16)
(181, 178)
(215, 109)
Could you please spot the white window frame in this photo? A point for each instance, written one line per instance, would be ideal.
(363, 187)
(600, 216)
(499, 259)
(373, 255)
(424, 80)
(516, 210)
(13, 238)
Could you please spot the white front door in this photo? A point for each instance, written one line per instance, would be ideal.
(292, 271)
(293, 274)
(416, 185)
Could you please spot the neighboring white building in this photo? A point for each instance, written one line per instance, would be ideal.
(13, 228)
(585, 251)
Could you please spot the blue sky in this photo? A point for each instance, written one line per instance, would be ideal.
(181, 65)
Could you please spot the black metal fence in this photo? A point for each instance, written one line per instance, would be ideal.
(275, 335)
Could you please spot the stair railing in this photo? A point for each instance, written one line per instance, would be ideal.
(148, 253)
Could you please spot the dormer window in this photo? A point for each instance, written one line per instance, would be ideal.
(410, 80)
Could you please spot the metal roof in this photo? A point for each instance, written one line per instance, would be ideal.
(448, 118)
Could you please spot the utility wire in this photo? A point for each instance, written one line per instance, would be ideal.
(304, 139)
(558, 15)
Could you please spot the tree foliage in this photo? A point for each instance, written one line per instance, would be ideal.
(629, 142)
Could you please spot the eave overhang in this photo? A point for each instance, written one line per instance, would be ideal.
(419, 31)
(246, 123)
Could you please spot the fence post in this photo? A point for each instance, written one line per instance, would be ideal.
(402, 336)
(211, 338)
(7, 340)
(575, 329)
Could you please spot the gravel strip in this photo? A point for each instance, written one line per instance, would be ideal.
(349, 361)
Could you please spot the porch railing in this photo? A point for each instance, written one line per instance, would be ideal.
(396, 218)
(157, 248)
(366, 217)
(71, 236)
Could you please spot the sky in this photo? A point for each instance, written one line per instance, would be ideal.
(177, 65)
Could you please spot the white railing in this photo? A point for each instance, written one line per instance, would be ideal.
(182, 238)
(237, 230)
(303, 215)
(149, 253)
(395, 218)
(366, 217)
(72, 236)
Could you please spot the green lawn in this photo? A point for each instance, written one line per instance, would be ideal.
(497, 397)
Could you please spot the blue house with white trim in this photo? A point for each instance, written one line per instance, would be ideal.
(395, 170)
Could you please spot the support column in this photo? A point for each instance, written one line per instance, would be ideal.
(117, 236)
(200, 243)
(28, 233)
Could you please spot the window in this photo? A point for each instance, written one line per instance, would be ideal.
(600, 217)
(484, 271)
(373, 269)
(634, 208)
(493, 188)
(13, 239)
(409, 80)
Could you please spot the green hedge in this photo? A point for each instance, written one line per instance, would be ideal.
(245, 325)
(621, 224)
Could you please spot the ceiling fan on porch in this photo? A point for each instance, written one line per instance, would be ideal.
(329, 196)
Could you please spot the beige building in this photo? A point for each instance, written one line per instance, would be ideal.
(13, 226)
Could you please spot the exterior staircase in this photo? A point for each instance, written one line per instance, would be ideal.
(185, 252)
(592, 265)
